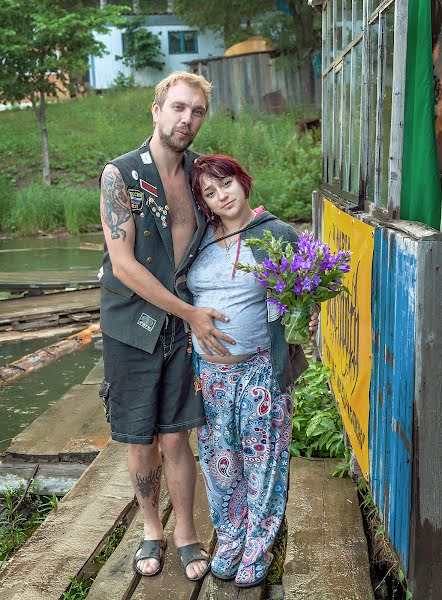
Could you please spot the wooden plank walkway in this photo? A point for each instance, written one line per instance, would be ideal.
(49, 310)
(47, 280)
(327, 556)
(326, 548)
(62, 545)
(73, 429)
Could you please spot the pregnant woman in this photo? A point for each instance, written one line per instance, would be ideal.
(244, 446)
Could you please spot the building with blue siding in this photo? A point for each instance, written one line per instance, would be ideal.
(180, 44)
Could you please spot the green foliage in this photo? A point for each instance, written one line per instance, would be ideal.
(286, 167)
(141, 47)
(220, 15)
(22, 515)
(39, 208)
(37, 38)
(40, 44)
(123, 82)
(78, 589)
(317, 424)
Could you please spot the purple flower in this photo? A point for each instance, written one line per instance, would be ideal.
(280, 287)
(297, 286)
(307, 285)
(296, 263)
(267, 263)
(263, 282)
(282, 308)
(284, 264)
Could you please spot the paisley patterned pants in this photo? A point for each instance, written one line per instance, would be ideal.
(244, 455)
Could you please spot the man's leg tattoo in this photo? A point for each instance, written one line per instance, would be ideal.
(149, 486)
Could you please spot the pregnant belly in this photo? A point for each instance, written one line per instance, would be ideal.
(231, 359)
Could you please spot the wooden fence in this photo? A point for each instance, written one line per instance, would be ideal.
(257, 82)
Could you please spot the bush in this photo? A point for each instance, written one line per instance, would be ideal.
(317, 424)
(286, 167)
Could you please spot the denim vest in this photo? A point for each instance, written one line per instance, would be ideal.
(125, 316)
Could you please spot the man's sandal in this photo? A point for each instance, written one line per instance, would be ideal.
(150, 549)
(191, 553)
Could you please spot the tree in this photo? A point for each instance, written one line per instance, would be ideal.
(40, 43)
(294, 25)
(224, 15)
(141, 47)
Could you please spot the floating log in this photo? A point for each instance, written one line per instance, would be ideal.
(38, 359)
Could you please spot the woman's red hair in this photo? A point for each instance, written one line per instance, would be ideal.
(216, 166)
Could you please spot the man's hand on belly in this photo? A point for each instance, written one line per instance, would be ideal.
(201, 322)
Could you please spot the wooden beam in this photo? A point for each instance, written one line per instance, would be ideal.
(426, 517)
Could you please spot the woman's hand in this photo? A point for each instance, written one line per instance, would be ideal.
(314, 321)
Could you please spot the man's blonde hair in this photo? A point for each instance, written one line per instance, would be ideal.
(197, 81)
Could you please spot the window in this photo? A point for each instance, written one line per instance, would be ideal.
(183, 42)
(358, 102)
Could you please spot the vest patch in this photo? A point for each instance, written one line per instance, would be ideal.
(146, 322)
(146, 158)
(136, 200)
(148, 187)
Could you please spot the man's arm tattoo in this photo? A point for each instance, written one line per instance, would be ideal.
(115, 208)
(149, 486)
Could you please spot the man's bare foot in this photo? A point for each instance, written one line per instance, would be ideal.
(196, 568)
(150, 565)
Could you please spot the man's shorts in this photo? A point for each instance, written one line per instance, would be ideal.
(146, 394)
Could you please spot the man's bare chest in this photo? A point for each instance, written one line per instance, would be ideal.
(180, 205)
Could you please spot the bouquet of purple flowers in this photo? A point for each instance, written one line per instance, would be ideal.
(297, 278)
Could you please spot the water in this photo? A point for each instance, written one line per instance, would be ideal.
(50, 253)
(22, 401)
(11, 351)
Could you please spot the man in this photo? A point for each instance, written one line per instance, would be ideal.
(152, 231)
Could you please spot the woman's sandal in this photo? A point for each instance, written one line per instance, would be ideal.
(150, 549)
(191, 553)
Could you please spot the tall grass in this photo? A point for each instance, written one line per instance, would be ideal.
(84, 134)
(42, 208)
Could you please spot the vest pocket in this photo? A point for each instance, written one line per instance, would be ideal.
(111, 283)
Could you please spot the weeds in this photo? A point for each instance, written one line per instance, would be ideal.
(389, 579)
(17, 526)
(317, 424)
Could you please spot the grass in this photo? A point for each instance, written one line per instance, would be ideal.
(16, 526)
(85, 133)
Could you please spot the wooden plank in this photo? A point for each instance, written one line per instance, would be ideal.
(47, 280)
(193, 439)
(327, 554)
(117, 577)
(23, 336)
(74, 428)
(172, 583)
(63, 543)
(96, 375)
(37, 307)
(215, 589)
(51, 478)
(426, 515)
(397, 109)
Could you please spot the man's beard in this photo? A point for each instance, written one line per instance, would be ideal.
(174, 144)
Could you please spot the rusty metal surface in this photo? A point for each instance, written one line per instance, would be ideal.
(392, 383)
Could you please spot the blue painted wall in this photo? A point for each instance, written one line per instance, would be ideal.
(392, 383)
